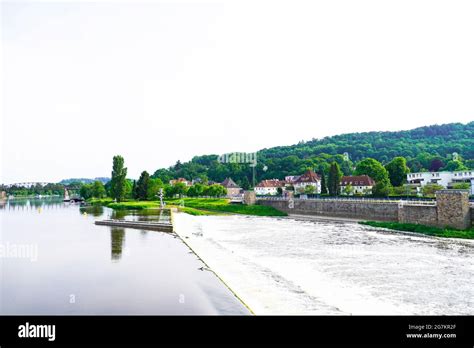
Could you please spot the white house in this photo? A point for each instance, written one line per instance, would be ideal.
(269, 187)
(360, 184)
(445, 179)
(309, 178)
(181, 180)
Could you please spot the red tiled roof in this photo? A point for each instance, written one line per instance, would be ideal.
(357, 180)
(271, 183)
(290, 179)
(229, 183)
(308, 176)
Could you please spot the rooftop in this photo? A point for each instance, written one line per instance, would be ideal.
(360, 180)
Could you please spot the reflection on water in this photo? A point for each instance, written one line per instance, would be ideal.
(107, 270)
(94, 210)
(117, 238)
(31, 203)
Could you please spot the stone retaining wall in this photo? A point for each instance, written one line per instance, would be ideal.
(345, 209)
(424, 215)
(451, 210)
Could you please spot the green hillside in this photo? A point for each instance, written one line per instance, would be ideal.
(425, 148)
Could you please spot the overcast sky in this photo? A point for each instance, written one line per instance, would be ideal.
(162, 81)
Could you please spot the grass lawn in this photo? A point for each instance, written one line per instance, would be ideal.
(100, 201)
(194, 211)
(194, 206)
(125, 205)
(134, 205)
(428, 230)
(220, 205)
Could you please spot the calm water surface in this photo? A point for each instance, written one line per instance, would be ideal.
(71, 266)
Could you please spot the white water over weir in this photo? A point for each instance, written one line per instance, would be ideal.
(288, 266)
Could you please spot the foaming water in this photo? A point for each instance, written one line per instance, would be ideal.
(288, 266)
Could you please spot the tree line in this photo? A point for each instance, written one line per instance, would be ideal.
(422, 149)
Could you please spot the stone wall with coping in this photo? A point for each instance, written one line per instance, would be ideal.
(345, 209)
(452, 209)
(418, 214)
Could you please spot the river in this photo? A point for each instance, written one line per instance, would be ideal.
(54, 260)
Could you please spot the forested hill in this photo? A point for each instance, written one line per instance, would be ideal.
(439, 140)
(425, 148)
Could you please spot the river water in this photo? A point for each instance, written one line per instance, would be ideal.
(294, 266)
(54, 260)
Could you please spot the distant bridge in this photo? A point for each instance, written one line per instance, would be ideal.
(28, 184)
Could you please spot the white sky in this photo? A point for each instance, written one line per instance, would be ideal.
(162, 81)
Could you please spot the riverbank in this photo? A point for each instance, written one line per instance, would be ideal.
(221, 205)
(194, 206)
(422, 229)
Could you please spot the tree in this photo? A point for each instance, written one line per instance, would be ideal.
(420, 147)
(372, 168)
(348, 190)
(86, 191)
(309, 189)
(382, 188)
(117, 181)
(215, 190)
(430, 189)
(134, 190)
(334, 179)
(324, 187)
(93, 190)
(436, 165)
(154, 186)
(142, 185)
(169, 191)
(462, 186)
(246, 183)
(98, 189)
(397, 170)
(128, 187)
(454, 165)
(196, 190)
(180, 189)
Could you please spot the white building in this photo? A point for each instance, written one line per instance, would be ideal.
(445, 179)
(309, 178)
(182, 181)
(269, 187)
(359, 184)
